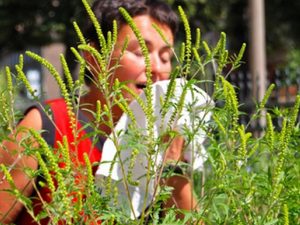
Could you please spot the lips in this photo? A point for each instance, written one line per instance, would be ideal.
(140, 86)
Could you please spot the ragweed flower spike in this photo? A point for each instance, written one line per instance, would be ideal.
(197, 56)
(95, 53)
(220, 125)
(182, 52)
(21, 62)
(64, 147)
(125, 108)
(220, 50)
(14, 190)
(114, 32)
(109, 40)
(60, 82)
(9, 80)
(207, 50)
(54, 72)
(198, 38)
(98, 112)
(145, 52)
(7, 176)
(285, 136)
(266, 96)
(8, 106)
(239, 57)
(222, 62)
(231, 101)
(199, 61)
(159, 31)
(79, 33)
(286, 214)
(221, 45)
(242, 152)
(98, 29)
(282, 152)
(188, 41)
(90, 177)
(141, 41)
(67, 72)
(294, 115)
(137, 98)
(61, 186)
(22, 77)
(82, 66)
(46, 174)
(45, 149)
(181, 101)
(79, 204)
(132, 163)
(169, 93)
(270, 135)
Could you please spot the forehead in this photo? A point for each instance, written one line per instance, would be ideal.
(144, 24)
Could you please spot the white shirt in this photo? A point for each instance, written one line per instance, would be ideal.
(194, 116)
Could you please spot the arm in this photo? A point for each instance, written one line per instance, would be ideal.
(182, 195)
(9, 152)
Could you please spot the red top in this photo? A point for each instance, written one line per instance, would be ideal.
(55, 132)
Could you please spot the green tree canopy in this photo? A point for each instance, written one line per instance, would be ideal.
(36, 23)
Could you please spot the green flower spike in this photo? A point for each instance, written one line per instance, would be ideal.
(188, 41)
(23, 78)
(98, 29)
(79, 33)
(90, 176)
(270, 132)
(266, 96)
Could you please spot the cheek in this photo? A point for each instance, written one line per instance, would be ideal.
(129, 68)
(166, 75)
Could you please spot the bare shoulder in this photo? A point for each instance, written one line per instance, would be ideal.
(32, 119)
(11, 155)
(11, 148)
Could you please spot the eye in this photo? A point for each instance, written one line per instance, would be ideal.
(138, 52)
(166, 56)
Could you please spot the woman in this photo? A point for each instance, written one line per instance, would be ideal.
(131, 69)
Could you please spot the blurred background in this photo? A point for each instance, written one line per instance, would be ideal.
(270, 28)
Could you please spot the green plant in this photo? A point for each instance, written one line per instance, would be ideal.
(292, 66)
(245, 179)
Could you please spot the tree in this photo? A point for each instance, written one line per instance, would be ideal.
(38, 23)
(231, 16)
(283, 26)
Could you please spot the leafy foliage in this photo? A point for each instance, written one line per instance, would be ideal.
(246, 179)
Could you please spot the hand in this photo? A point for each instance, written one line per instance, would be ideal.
(9, 205)
(182, 194)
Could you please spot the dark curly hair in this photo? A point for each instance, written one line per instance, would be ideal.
(108, 10)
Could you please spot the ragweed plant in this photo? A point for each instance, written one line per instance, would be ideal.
(244, 179)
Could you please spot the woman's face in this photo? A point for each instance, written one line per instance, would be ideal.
(131, 67)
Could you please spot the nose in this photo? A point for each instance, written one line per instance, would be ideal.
(156, 68)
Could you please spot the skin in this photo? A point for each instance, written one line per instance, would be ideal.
(9, 205)
(131, 70)
(131, 67)
(182, 196)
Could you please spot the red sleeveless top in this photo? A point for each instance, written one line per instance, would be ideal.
(55, 132)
